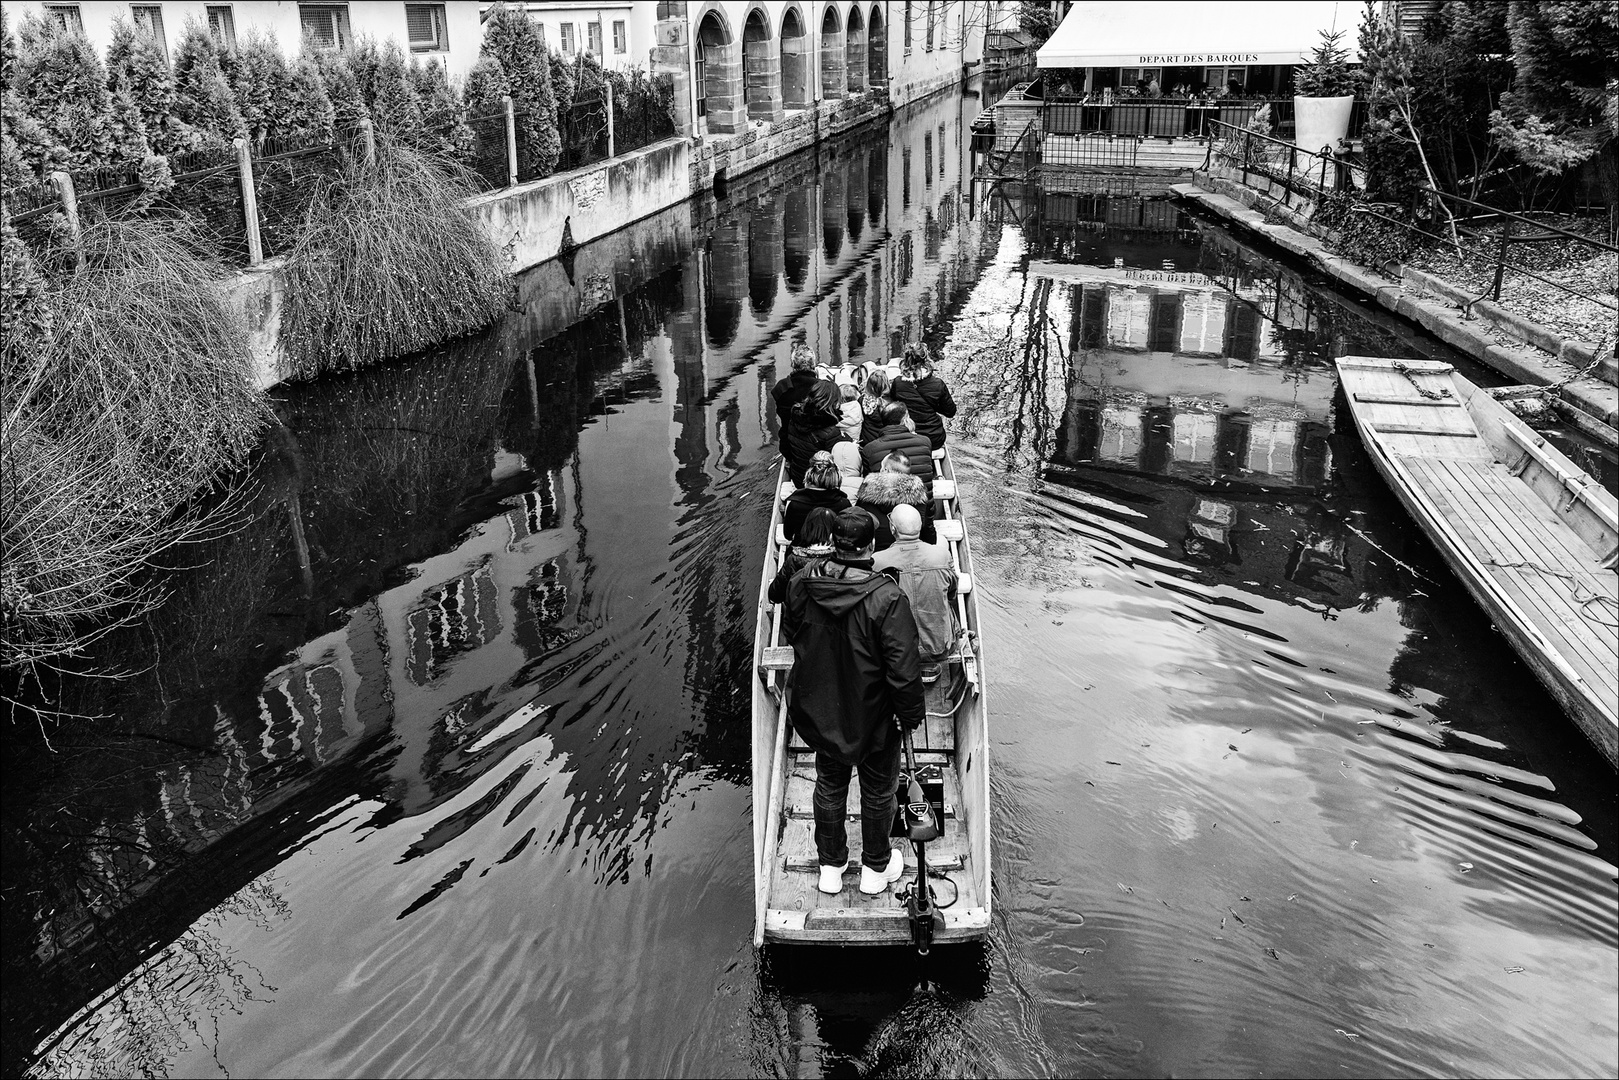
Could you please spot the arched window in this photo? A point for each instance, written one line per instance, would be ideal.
(794, 62)
(719, 77)
(832, 82)
(761, 78)
(854, 52)
(876, 49)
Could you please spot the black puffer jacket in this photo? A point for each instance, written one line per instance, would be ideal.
(812, 426)
(801, 502)
(913, 444)
(787, 393)
(855, 662)
(882, 491)
(928, 400)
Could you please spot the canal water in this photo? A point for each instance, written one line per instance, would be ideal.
(441, 766)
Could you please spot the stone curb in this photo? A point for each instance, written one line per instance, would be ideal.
(1525, 364)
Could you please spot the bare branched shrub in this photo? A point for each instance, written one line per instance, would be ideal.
(389, 262)
(115, 428)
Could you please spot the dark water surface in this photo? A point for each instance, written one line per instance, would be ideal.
(441, 768)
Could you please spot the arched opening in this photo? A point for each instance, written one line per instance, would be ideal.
(831, 55)
(794, 62)
(761, 70)
(876, 50)
(764, 257)
(833, 212)
(854, 52)
(853, 201)
(876, 184)
(719, 77)
(797, 219)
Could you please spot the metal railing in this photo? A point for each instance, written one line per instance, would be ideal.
(1305, 173)
(1534, 232)
(1169, 118)
(1300, 172)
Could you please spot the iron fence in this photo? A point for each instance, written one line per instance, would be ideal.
(487, 157)
(1301, 173)
(643, 118)
(582, 125)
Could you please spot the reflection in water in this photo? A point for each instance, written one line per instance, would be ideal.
(476, 802)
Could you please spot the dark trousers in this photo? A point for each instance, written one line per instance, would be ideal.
(879, 781)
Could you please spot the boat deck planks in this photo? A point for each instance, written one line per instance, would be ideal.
(1530, 535)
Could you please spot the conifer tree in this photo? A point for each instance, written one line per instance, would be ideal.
(203, 98)
(342, 88)
(564, 86)
(444, 115)
(63, 85)
(262, 85)
(135, 66)
(309, 113)
(486, 87)
(395, 109)
(511, 37)
(127, 131)
(24, 313)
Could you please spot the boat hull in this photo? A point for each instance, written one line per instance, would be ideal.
(1530, 536)
(788, 907)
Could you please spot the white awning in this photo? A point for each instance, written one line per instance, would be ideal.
(1177, 33)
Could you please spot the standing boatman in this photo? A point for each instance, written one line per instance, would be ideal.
(856, 671)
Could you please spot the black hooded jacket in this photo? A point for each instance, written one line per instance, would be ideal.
(928, 399)
(812, 425)
(787, 393)
(855, 661)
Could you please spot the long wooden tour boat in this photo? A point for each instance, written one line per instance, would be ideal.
(1533, 537)
(952, 761)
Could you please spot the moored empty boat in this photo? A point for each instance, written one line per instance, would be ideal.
(1533, 537)
(952, 755)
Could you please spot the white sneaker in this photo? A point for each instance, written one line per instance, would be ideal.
(831, 879)
(873, 882)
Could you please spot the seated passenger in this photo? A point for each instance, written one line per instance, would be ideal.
(846, 456)
(873, 400)
(894, 436)
(823, 486)
(791, 390)
(928, 581)
(851, 420)
(891, 486)
(924, 393)
(814, 543)
(812, 426)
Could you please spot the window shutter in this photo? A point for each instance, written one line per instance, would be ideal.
(419, 24)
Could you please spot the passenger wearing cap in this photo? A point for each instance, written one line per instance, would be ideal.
(856, 672)
(823, 486)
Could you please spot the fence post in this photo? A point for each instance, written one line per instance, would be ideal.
(250, 202)
(612, 150)
(1287, 190)
(511, 142)
(70, 209)
(368, 139)
(1501, 259)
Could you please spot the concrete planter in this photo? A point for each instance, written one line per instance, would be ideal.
(1320, 121)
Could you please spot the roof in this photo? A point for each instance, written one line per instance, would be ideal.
(1129, 33)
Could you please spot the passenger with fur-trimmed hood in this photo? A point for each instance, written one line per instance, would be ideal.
(893, 485)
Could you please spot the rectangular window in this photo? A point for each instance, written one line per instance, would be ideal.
(326, 26)
(67, 16)
(930, 26)
(905, 178)
(148, 19)
(222, 27)
(541, 28)
(907, 25)
(567, 39)
(594, 30)
(927, 159)
(621, 37)
(941, 151)
(424, 23)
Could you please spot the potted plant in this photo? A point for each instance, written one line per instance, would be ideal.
(1323, 95)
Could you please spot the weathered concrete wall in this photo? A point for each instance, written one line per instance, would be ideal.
(539, 219)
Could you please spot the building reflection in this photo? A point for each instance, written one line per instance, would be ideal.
(464, 547)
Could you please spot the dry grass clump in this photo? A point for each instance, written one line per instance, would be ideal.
(113, 428)
(389, 263)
